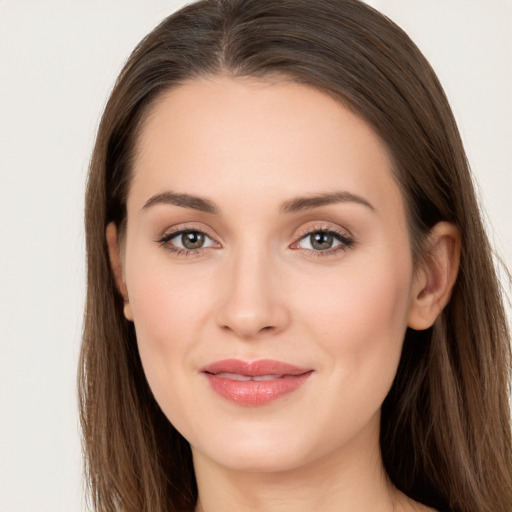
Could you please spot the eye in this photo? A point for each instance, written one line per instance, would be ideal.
(324, 241)
(188, 240)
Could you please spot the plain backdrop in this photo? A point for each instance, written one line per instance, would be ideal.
(58, 62)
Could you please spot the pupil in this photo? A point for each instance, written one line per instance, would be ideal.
(192, 240)
(321, 241)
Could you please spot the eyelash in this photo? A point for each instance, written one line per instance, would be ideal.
(345, 242)
(180, 251)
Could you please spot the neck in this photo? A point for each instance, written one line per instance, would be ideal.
(351, 479)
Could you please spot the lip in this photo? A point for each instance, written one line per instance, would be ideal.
(254, 383)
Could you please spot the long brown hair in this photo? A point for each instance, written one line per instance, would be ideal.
(445, 427)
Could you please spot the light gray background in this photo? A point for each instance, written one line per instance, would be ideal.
(58, 61)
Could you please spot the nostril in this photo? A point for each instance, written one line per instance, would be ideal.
(253, 315)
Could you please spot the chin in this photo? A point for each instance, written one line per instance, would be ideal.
(254, 448)
(258, 458)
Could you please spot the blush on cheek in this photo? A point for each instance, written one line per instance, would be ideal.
(167, 312)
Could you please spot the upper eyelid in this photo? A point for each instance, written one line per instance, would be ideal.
(183, 228)
(326, 228)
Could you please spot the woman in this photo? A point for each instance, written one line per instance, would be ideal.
(291, 299)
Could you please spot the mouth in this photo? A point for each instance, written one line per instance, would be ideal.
(254, 383)
(246, 378)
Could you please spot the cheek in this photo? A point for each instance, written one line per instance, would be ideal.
(359, 325)
(168, 307)
(166, 298)
(361, 317)
(167, 317)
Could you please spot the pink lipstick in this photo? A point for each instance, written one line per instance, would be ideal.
(255, 383)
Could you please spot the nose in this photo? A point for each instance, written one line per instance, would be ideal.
(252, 300)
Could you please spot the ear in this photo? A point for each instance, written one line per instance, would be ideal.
(117, 268)
(434, 279)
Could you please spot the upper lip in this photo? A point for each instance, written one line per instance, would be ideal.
(254, 368)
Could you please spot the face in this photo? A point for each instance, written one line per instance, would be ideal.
(268, 272)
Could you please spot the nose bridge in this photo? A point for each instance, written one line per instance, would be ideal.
(252, 302)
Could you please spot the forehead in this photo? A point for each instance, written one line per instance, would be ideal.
(249, 138)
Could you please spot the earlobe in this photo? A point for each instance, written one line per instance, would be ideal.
(436, 276)
(117, 268)
(127, 311)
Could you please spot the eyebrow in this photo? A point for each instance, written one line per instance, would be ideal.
(183, 200)
(293, 205)
(307, 203)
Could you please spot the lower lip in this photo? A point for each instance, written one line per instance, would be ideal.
(254, 393)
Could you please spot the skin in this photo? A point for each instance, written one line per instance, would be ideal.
(258, 289)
